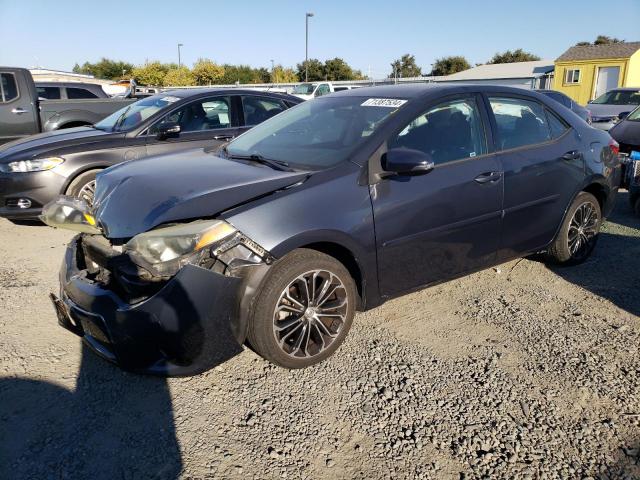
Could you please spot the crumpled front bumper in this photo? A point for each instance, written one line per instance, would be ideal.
(184, 329)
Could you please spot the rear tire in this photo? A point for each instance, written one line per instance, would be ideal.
(83, 186)
(303, 311)
(578, 234)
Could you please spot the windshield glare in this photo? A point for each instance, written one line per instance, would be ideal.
(313, 135)
(131, 115)
(619, 97)
(305, 88)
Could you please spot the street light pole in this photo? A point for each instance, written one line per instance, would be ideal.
(179, 60)
(306, 47)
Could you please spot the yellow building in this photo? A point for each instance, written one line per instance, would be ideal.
(586, 72)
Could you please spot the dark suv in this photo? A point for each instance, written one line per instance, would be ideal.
(333, 206)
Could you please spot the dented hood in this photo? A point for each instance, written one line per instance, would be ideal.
(139, 195)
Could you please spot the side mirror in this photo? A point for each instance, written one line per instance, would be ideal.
(406, 161)
(623, 115)
(168, 130)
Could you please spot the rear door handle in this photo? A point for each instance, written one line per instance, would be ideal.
(19, 111)
(488, 177)
(572, 155)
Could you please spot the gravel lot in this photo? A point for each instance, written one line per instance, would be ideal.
(523, 371)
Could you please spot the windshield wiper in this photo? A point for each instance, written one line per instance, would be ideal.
(255, 157)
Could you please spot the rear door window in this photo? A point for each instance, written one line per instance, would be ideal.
(49, 93)
(258, 109)
(8, 87)
(78, 93)
(449, 131)
(519, 122)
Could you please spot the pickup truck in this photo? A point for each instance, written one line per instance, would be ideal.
(307, 91)
(23, 114)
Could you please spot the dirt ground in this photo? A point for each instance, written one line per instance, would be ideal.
(524, 371)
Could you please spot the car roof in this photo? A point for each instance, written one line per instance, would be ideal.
(192, 92)
(625, 89)
(67, 84)
(415, 90)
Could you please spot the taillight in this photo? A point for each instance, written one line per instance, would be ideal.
(615, 148)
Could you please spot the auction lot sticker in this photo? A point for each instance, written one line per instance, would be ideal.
(383, 102)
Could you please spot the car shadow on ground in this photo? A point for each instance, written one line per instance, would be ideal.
(113, 425)
(613, 270)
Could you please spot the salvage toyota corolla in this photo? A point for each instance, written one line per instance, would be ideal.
(333, 206)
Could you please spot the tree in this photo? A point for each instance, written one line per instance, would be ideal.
(316, 70)
(338, 69)
(283, 75)
(264, 75)
(179, 77)
(105, 68)
(240, 74)
(405, 67)
(601, 40)
(150, 74)
(509, 56)
(449, 65)
(206, 72)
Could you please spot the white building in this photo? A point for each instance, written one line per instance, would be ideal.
(530, 75)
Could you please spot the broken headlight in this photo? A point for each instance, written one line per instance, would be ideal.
(70, 213)
(170, 243)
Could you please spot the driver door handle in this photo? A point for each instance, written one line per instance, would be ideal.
(19, 111)
(488, 177)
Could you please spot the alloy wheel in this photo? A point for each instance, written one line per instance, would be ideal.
(310, 313)
(583, 230)
(87, 192)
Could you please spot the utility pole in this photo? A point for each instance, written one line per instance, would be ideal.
(179, 60)
(306, 46)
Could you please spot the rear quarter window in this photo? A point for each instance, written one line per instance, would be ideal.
(76, 93)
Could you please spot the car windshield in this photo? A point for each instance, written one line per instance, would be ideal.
(305, 88)
(619, 97)
(635, 115)
(131, 115)
(316, 134)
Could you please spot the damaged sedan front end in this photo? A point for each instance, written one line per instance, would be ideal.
(168, 301)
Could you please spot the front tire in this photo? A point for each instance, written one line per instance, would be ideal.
(83, 186)
(304, 310)
(579, 232)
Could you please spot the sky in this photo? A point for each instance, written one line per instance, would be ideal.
(369, 35)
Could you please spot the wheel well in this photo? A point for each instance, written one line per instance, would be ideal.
(72, 178)
(344, 256)
(597, 191)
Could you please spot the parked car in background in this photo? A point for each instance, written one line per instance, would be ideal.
(307, 91)
(568, 102)
(23, 114)
(627, 133)
(70, 91)
(331, 207)
(609, 108)
(35, 170)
